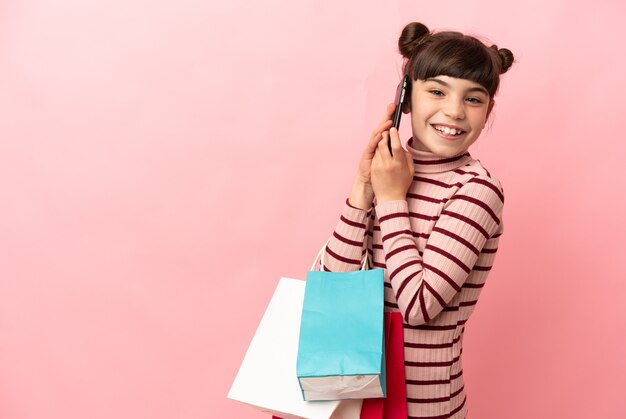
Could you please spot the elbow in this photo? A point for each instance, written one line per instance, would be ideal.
(413, 321)
(419, 310)
(413, 315)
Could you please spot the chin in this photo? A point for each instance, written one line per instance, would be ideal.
(445, 152)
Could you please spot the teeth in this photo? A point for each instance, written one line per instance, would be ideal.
(448, 131)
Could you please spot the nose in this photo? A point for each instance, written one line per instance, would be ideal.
(454, 108)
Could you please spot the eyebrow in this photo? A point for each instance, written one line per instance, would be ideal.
(471, 89)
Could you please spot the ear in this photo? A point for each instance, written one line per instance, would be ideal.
(491, 103)
(406, 106)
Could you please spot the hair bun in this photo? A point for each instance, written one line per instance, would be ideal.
(413, 36)
(506, 58)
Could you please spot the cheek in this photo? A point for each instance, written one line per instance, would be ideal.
(417, 120)
(422, 114)
(479, 119)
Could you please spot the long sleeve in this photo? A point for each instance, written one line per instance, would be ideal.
(347, 245)
(423, 285)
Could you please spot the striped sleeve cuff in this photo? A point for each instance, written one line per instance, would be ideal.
(356, 214)
(352, 206)
(353, 223)
(393, 216)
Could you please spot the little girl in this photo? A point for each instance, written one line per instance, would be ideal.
(430, 216)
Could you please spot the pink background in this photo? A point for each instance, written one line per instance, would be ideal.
(163, 163)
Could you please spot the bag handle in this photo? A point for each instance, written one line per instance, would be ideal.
(320, 254)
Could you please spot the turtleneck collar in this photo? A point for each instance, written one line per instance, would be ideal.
(429, 162)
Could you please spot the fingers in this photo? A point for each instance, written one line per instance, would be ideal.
(384, 125)
(396, 145)
(409, 162)
(383, 148)
(387, 120)
(391, 107)
(382, 145)
(398, 153)
(377, 134)
(371, 145)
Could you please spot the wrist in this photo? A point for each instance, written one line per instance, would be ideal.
(361, 195)
(381, 199)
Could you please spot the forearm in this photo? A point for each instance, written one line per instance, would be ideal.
(347, 244)
(424, 284)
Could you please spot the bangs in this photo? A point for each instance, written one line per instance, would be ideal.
(459, 57)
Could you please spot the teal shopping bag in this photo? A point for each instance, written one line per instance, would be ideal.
(341, 342)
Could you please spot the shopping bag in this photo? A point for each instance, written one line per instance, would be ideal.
(267, 376)
(394, 405)
(341, 343)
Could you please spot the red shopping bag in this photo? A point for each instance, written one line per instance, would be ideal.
(394, 405)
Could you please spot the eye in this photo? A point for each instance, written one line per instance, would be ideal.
(436, 92)
(474, 100)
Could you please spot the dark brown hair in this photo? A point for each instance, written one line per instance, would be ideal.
(452, 54)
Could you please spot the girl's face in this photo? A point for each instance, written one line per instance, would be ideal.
(442, 106)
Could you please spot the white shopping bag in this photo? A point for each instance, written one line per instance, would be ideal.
(267, 377)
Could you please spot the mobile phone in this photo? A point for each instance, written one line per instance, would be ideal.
(401, 94)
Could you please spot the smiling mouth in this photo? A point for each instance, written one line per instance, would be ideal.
(448, 132)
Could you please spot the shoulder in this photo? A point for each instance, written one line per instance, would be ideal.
(475, 175)
(479, 200)
(478, 196)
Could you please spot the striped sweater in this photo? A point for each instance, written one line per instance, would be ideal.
(437, 248)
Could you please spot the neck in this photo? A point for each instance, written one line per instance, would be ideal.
(417, 145)
(426, 161)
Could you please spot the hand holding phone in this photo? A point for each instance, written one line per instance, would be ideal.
(401, 95)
